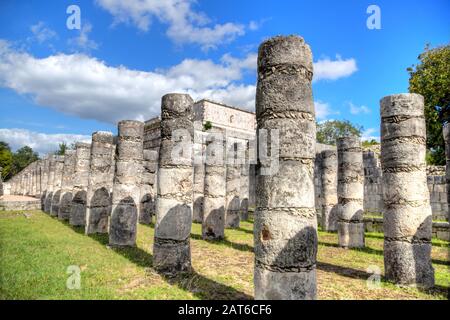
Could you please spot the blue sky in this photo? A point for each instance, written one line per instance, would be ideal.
(59, 84)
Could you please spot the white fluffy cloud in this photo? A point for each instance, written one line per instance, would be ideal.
(83, 86)
(185, 25)
(40, 142)
(369, 134)
(323, 110)
(358, 109)
(86, 87)
(42, 33)
(327, 69)
(83, 41)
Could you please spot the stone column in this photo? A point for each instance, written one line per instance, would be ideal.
(127, 184)
(65, 203)
(350, 192)
(285, 229)
(446, 132)
(245, 185)
(171, 249)
(57, 183)
(199, 172)
(199, 182)
(407, 213)
(44, 181)
(233, 188)
(329, 190)
(214, 202)
(80, 184)
(50, 175)
(147, 201)
(98, 199)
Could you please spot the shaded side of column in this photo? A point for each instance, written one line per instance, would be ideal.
(65, 203)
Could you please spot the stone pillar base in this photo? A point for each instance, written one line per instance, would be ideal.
(171, 256)
(408, 263)
(351, 234)
(274, 285)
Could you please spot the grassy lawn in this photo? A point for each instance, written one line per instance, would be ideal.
(36, 249)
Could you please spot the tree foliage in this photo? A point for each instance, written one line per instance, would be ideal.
(329, 131)
(22, 158)
(431, 78)
(6, 160)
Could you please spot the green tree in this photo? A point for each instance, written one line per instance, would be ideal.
(6, 160)
(63, 147)
(368, 143)
(329, 131)
(431, 78)
(22, 158)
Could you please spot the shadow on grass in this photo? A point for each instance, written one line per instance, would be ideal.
(343, 271)
(377, 252)
(244, 230)
(233, 245)
(200, 286)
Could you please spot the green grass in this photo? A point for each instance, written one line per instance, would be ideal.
(35, 252)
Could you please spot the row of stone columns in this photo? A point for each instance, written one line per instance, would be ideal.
(285, 228)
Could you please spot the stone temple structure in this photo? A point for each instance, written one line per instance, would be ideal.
(285, 230)
(407, 212)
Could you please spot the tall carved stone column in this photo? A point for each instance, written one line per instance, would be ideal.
(127, 184)
(65, 203)
(147, 201)
(350, 192)
(44, 181)
(245, 185)
(407, 213)
(51, 175)
(57, 183)
(446, 132)
(285, 230)
(98, 199)
(214, 201)
(199, 185)
(233, 187)
(329, 190)
(80, 184)
(171, 249)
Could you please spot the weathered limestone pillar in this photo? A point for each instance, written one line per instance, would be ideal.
(446, 132)
(199, 185)
(350, 192)
(329, 190)
(98, 198)
(245, 185)
(214, 201)
(171, 249)
(285, 230)
(65, 204)
(51, 176)
(127, 184)
(233, 188)
(407, 213)
(44, 181)
(147, 200)
(80, 184)
(57, 183)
